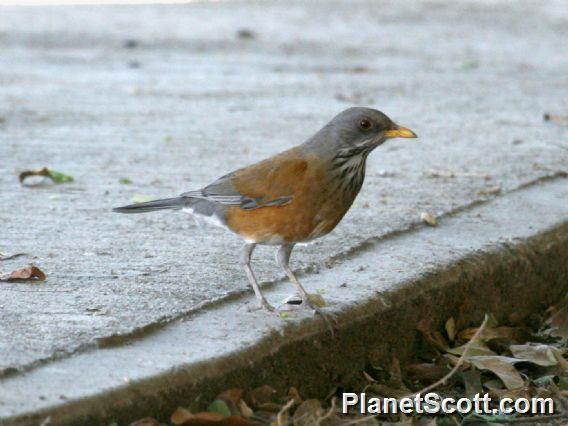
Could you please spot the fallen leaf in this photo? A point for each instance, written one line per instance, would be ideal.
(262, 395)
(396, 373)
(476, 348)
(387, 391)
(29, 273)
(208, 416)
(434, 338)
(493, 384)
(147, 421)
(293, 393)
(556, 382)
(429, 219)
(220, 407)
(451, 328)
(557, 323)
(54, 175)
(318, 300)
(486, 420)
(426, 372)
(472, 382)
(231, 397)
(538, 354)
(125, 181)
(208, 419)
(502, 366)
(490, 190)
(555, 118)
(180, 416)
(491, 333)
(308, 413)
(245, 410)
(514, 394)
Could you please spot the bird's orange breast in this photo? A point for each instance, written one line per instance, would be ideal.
(312, 212)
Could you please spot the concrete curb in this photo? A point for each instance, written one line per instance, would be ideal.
(507, 257)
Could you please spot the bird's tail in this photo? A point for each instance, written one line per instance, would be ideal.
(150, 206)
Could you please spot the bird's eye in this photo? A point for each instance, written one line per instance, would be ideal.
(365, 124)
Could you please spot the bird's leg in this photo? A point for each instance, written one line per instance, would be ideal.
(283, 257)
(245, 261)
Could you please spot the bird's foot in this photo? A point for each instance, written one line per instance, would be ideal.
(329, 320)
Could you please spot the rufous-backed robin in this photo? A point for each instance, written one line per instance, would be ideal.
(293, 197)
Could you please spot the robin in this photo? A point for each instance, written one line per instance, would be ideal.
(293, 197)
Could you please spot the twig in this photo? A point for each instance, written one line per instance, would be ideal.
(11, 256)
(46, 421)
(329, 413)
(444, 379)
(460, 362)
(284, 410)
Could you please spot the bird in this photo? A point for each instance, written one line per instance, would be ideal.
(293, 197)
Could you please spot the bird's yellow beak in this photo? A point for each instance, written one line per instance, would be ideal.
(400, 132)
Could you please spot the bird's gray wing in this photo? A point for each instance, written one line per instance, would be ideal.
(222, 192)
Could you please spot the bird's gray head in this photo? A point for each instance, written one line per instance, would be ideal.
(359, 130)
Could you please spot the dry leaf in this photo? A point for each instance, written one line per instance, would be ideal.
(429, 219)
(476, 348)
(308, 413)
(220, 407)
(538, 354)
(147, 421)
(502, 366)
(214, 419)
(490, 190)
(451, 328)
(231, 397)
(434, 338)
(514, 394)
(426, 372)
(555, 118)
(262, 395)
(55, 176)
(472, 382)
(558, 322)
(493, 384)
(29, 273)
(318, 300)
(491, 333)
(293, 393)
(245, 410)
(180, 416)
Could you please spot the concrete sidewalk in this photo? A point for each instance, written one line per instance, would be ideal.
(160, 96)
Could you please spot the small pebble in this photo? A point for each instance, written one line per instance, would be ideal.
(130, 44)
(428, 219)
(246, 34)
